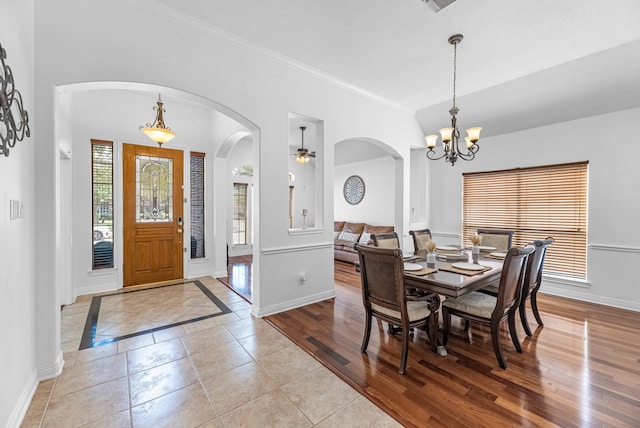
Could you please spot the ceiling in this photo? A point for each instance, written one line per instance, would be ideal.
(521, 64)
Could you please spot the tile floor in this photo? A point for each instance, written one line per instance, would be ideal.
(230, 370)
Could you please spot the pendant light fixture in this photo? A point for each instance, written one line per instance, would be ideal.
(450, 136)
(157, 130)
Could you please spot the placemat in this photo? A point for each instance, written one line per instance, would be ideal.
(423, 271)
(489, 256)
(450, 268)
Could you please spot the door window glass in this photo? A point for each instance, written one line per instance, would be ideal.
(154, 182)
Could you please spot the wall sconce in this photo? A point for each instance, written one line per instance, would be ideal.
(14, 119)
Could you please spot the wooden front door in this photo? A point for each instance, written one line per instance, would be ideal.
(153, 217)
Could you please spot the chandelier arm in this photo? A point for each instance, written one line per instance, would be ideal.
(467, 157)
(431, 154)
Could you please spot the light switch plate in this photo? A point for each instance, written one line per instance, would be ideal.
(15, 209)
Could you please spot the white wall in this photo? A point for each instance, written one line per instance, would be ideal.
(614, 199)
(377, 206)
(17, 299)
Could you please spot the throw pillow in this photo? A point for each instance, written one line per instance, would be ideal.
(364, 238)
(336, 233)
(348, 236)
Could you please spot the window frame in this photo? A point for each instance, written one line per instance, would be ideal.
(245, 219)
(102, 255)
(198, 223)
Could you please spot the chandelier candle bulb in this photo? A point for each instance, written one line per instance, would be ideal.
(446, 134)
(431, 141)
(474, 134)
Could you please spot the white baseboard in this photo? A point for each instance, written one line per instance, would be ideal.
(21, 407)
(195, 273)
(220, 274)
(291, 304)
(586, 297)
(102, 288)
(51, 370)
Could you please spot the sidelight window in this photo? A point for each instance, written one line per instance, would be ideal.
(102, 203)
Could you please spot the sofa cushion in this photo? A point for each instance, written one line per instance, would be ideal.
(337, 226)
(377, 229)
(355, 228)
(344, 245)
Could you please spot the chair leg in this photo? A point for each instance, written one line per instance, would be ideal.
(433, 331)
(446, 326)
(495, 340)
(523, 317)
(513, 332)
(467, 331)
(405, 350)
(367, 332)
(534, 307)
(393, 329)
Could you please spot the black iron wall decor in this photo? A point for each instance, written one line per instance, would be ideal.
(14, 119)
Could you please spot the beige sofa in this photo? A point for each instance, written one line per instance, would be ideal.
(346, 235)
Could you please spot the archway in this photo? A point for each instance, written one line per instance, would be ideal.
(121, 123)
(382, 167)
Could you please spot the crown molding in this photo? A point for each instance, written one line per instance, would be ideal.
(190, 23)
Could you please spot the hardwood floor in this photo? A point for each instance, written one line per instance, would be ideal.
(582, 369)
(240, 273)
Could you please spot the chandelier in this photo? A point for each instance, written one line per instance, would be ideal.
(157, 130)
(450, 136)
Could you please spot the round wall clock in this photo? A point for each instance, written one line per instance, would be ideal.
(353, 190)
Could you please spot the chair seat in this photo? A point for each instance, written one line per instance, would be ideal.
(475, 303)
(416, 311)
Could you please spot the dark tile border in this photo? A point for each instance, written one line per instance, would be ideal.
(89, 333)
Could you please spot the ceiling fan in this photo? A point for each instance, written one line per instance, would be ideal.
(303, 154)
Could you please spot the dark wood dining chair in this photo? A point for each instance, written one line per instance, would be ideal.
(532, 282)
(499, 238)
(386, 240)
(493, 310)
(420, 239)
(531, 285)
(385, 297)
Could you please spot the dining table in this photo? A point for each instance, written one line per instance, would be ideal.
(451, 284)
